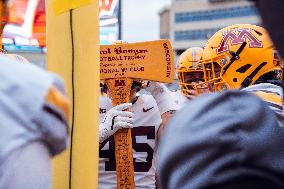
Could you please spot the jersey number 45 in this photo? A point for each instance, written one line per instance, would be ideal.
(149, 132)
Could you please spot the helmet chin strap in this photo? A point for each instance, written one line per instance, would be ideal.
(235, 56)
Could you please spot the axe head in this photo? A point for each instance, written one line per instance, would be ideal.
(152, 60)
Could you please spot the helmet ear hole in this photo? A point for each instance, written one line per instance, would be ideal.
(235, 80)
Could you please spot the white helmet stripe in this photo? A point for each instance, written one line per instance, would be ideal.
(194, 57)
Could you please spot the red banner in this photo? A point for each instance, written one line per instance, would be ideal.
(26, 22)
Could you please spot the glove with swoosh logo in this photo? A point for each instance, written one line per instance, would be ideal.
(116, 118)
(162, 95)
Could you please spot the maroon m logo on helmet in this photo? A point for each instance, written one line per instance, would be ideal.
(243, 35)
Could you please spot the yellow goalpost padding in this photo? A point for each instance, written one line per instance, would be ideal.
(73, 53)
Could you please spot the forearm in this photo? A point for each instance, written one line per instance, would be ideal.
(166, 118)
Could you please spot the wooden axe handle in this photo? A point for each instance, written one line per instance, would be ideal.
(120, 91)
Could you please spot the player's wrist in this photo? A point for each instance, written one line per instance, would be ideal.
(163, 97)
(156, 89)
(103, 133)
(167, 105)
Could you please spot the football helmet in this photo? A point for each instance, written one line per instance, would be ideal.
(238, 56)
(189, 70)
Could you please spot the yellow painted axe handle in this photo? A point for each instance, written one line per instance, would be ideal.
(120, 91)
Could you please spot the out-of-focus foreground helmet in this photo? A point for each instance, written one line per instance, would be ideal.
(240, 55)
(189, 70)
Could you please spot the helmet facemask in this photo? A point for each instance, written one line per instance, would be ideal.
(190, 73)
(213, 69)
(192, 81)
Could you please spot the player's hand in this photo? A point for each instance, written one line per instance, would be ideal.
(162, 95)
(201, 88)
(116, 118)
(154, 88)
(191, 94)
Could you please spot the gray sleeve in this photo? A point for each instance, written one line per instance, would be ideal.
(219, 137)
(27, 167)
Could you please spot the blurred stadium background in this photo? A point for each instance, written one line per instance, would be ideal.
(190, 23)
(25, 30)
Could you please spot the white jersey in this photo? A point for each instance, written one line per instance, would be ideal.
(180, 99)
(272, 95)
(147, 120)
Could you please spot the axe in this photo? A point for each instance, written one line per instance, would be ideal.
(119, 65)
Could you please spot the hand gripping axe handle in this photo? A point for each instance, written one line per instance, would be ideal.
(119, 65)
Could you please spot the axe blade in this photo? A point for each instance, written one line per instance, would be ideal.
(152, 60)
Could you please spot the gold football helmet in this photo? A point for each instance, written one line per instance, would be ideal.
(238, 56)
(189, 70)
